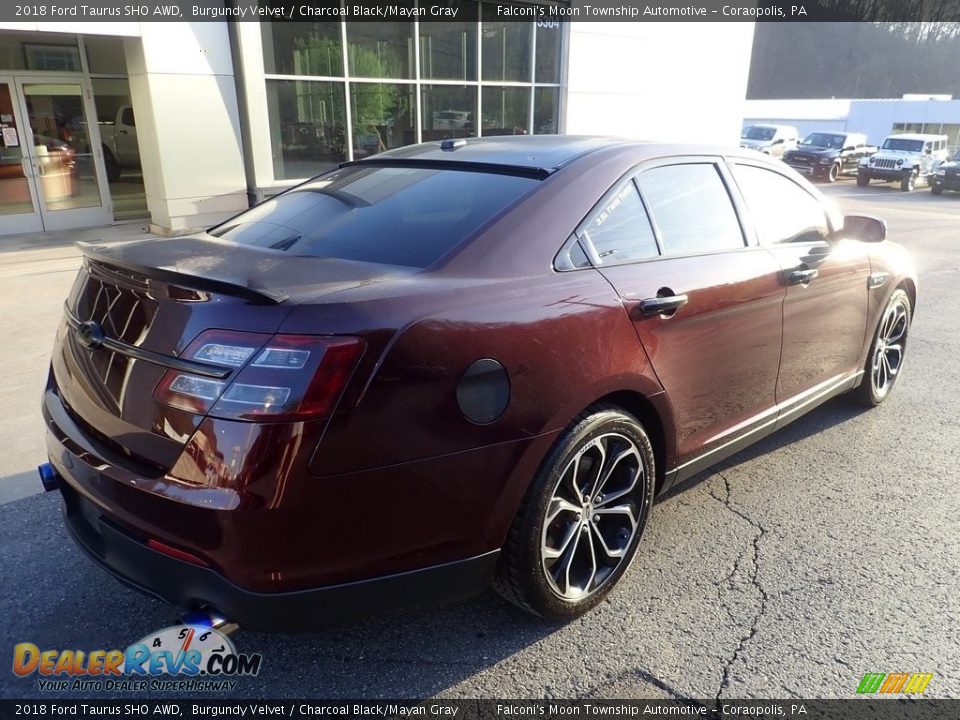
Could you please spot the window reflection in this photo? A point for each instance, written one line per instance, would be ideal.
(14, 187)
(506, 111)
(382, 115)
(61, 145)
(302, 48)
(121, 149)
(380, 50)
(546, 110)
(448, 50)
(506, 50)
(307, 126)
(448, 111)
(446, 77)
(548, 52)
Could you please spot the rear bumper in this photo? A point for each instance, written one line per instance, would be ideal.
(319, 578)
(191, 586)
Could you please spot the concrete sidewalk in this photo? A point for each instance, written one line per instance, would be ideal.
(36, 272)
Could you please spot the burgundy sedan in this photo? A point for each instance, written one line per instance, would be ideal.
(453, 364)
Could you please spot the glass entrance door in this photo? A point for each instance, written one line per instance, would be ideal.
(18, 200)
(51, 165)
(63, 143)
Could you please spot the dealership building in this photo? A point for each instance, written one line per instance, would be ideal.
(182, 124)
(875, 118)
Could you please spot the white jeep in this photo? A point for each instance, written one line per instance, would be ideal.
(905, 158)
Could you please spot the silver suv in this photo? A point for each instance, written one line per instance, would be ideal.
(904, 158)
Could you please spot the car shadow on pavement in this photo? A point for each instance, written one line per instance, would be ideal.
(59, 599)
(55, 597)
(834, 412)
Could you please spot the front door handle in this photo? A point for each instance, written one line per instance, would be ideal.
(802, 277)
(659, 305)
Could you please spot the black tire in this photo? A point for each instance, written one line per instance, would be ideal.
(833, 173)
(909, 182)
(522, 572)
(936, 189)
(863, 179)
(112, 166)
(874, 389)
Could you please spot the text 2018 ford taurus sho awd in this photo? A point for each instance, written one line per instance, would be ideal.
(453, 364)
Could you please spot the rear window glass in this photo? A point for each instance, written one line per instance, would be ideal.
(392, 215)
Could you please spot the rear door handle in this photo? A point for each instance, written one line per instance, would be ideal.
(659, 305)
(802, 277)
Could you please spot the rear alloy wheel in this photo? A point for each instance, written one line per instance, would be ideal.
(909, 182)
(578, 528)
(833, 173)
(863, 179)
(885, 362)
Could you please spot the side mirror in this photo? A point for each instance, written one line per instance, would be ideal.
(928, 151)
(849, 148)
(778, 141)
(864, 228)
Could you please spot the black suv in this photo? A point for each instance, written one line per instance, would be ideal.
(829, 154)
(946, 176)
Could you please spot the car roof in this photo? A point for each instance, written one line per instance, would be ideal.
(540, 156)
(543, 153)
(916, 136)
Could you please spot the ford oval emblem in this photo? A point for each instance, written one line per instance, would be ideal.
(90, 334)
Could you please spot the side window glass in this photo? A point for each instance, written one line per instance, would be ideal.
(620, 230)
(691, 209)
(782, 211)
(571, 256)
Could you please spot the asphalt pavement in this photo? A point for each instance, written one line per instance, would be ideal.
(826, 551)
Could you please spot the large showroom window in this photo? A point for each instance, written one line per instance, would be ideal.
(339, 91)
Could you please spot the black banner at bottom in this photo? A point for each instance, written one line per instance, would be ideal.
(854, 709)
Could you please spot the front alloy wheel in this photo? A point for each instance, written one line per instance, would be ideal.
(833, 173)
(579, 525)
(885, 362)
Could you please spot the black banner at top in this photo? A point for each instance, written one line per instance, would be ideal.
(471, 10)
(606, 709)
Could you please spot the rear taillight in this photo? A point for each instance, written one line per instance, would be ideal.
(278, 377)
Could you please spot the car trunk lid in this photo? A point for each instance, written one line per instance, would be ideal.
(135, 307)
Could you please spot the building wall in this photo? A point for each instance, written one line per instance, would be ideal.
(188, 124)
(658, 81)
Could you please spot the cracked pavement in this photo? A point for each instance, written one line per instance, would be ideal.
(824, 552)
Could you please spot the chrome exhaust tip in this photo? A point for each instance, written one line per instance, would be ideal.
(209, 618)
(49, 477)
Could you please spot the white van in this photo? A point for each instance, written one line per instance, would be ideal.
(772, 140)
